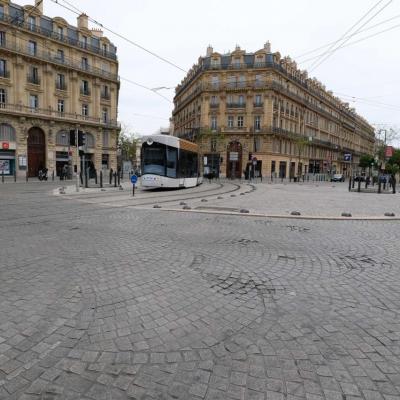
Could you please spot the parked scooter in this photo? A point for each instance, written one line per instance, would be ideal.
(43, 174)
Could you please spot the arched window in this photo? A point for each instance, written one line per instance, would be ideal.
(89, 140)
(62, 138)
(7, 133)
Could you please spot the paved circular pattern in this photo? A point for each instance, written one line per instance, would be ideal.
(146, 304)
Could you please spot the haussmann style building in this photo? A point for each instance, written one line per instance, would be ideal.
(54, 77)
(259, 110)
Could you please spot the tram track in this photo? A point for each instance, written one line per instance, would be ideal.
(99, 211)
(175, 198)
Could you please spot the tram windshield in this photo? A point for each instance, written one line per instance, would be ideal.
(154, 159)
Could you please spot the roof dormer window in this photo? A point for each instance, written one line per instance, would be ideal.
(31, 23)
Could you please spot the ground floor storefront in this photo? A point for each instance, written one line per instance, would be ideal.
(241, 156)
(30, 145)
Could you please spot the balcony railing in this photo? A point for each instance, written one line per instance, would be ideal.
(50, 113)
(4, 74)
(34, 79)
(262, 65)
(19, 21)
(105, 96)
(258, 104)
(85, 92)
(61, 85)
(235, 105)
(214, 105)
(234, 128)
(47, 56)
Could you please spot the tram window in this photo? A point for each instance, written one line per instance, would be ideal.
(154, 159)
(188, 164)
(172, 154)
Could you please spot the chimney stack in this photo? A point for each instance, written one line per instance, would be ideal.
(39, 5)
(267, 47)
(83, 21)
(97, 32)
(210, 50)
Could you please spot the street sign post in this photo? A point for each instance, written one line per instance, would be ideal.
(347, 157)
(134, 179)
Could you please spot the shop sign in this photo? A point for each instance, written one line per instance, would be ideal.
(5, 145)
(389, 151)
(5, 167)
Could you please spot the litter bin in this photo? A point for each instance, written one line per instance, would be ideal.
(295, 179)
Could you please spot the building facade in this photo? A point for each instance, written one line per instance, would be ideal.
(54, 78)
(259, 110)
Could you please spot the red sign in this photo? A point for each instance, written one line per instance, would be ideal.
(389, 151)
(6, 145)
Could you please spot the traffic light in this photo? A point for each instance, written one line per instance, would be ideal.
(72, 137)
(81, 138)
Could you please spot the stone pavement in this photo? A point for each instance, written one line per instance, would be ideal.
(317, 199)
(127, 303)
(320, 199)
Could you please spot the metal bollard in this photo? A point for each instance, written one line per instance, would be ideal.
(86, 177)
(350, 184)
(379, 186)
(15, 175)
(119, 180)
(115, 179)
(26, 176)
(353, 183)
(101, 179)
(359, 186)
(52, 175)
(95, 177)
(2, 176)
(111, 175)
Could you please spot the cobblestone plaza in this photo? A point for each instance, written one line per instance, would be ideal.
(106, 302)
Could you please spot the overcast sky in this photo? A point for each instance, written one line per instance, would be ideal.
(180, 30)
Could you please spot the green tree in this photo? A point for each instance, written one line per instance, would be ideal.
(301, 143)
(127, 143)
(366, 161)
(395, 159)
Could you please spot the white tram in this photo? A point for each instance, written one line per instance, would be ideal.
(169, 162)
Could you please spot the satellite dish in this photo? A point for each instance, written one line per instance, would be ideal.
(149, 141)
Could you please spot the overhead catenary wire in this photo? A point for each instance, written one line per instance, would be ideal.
(332, 49)
(348, 31)
(77, 11)
(330, 43)
(121, 78)
(356, 41)
(145, 87)
(368, 101)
